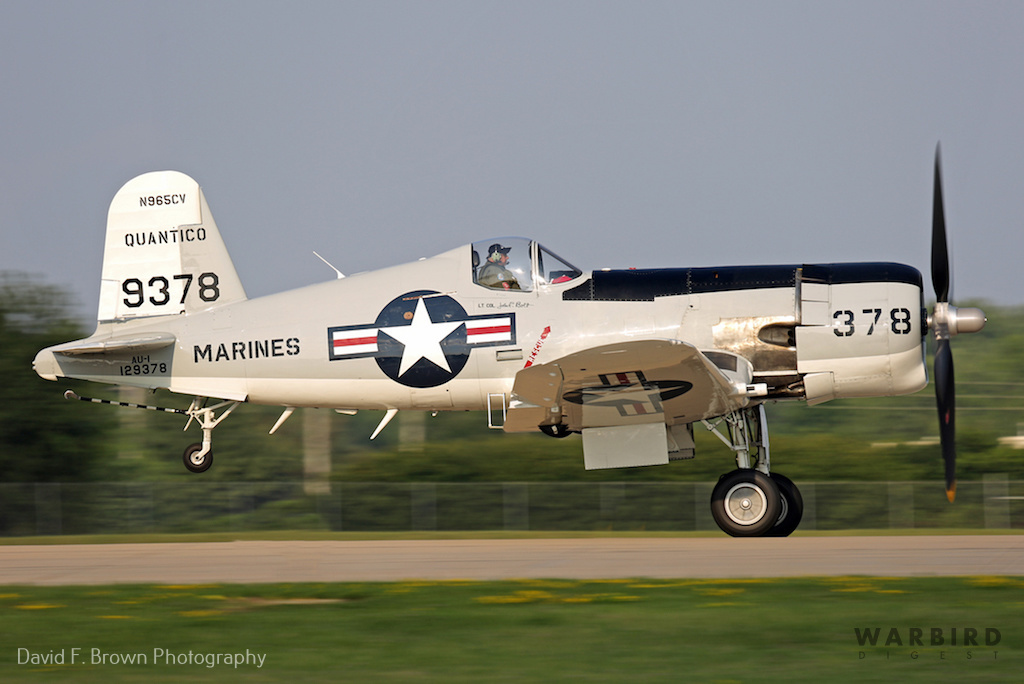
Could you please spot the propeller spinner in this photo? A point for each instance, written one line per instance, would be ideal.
(946, 321)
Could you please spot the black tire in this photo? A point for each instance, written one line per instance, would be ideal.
(194, 463)
(792, 507)
(557, 431)
(745, 503)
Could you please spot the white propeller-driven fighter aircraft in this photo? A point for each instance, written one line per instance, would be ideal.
(632, 359)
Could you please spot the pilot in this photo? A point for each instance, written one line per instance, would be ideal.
(494, 274)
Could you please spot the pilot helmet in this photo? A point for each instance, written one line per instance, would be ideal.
(496, 251)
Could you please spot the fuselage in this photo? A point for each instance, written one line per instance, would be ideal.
(427, 335)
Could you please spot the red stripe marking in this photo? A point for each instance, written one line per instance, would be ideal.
(489, 330)
(354, 341)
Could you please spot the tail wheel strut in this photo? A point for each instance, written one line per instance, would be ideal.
(198, 457)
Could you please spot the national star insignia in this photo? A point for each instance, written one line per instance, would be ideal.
(422, 339)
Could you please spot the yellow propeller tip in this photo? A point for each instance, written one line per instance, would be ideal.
(951, 492)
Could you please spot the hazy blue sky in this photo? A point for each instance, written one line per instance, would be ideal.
(618, 134)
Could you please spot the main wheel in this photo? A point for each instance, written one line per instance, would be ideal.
(745, 503)
(195, 462)
(792, 507)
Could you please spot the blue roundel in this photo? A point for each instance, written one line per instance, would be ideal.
(407, 343)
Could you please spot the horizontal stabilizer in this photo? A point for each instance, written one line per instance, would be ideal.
(142, 342)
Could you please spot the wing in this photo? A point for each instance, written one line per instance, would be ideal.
(631, 396)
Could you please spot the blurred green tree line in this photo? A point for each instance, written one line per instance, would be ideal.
(42, 438)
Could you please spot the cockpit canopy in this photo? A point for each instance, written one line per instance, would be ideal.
(513, 263)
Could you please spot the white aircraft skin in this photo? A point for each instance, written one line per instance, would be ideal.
(631, 359)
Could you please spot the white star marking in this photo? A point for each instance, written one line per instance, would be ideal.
(422, 339)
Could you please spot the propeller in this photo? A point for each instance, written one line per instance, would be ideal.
(946, 321)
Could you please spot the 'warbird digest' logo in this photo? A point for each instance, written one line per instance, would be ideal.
(421, 339)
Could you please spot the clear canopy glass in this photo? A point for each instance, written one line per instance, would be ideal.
(515, 263)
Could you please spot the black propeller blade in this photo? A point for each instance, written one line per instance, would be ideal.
(945, 390)
(946, 321)
(940, 252)
(945, 399)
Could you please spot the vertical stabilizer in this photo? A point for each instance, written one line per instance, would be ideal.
(163, 253)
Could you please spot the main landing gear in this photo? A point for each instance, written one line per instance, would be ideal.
(751, 501)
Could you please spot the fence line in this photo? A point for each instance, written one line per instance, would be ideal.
(209, 506)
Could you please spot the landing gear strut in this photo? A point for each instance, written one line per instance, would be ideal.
(751, 501)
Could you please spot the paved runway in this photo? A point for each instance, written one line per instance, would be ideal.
(600, 558)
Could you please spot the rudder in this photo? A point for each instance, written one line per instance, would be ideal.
(163, 253)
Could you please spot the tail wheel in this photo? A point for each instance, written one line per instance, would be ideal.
(746, 503)
(195, 460)
(792, 507)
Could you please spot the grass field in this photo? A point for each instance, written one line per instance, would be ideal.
(786, 630)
